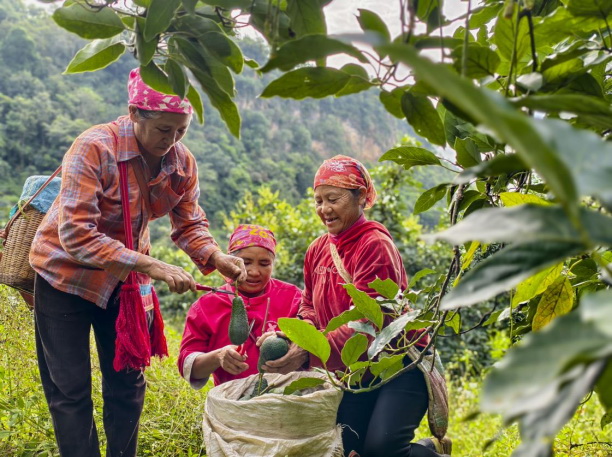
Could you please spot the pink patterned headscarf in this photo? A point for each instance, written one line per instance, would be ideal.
(248, 235)
(141, 95)
(346, 173)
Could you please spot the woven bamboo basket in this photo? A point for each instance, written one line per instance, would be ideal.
(15, 269)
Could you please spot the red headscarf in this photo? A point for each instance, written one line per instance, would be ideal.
(146, 98)
(248, 235)
(347, 173)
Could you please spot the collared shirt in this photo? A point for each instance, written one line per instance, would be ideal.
(79, 247)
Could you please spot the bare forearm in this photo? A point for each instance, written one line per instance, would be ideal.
(205, 364)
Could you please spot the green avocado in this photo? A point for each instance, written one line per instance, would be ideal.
(272, 348)
(239, 324)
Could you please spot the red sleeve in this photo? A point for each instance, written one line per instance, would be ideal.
(196, 336)
(306, 309)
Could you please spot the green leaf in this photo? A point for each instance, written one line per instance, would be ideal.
(96, 55)
(385, 363)
(230, 4)
(392, 101)
(536, 284)
(598, 8)
(390, 332)
(308, 48)
(305, 82)
(421, 114)
(190, 5)
(506, 36)
(306, 17)
(484, 15)
(306, 336)
(454, 322)
(354, 347)
(159, 17)
(408, 157)
(177, 78)
(526, 223)
(579, 104)
(515, 199)
(363, 327)
(195, 26)
(385, 287)
(500, 164)
(343, 318)
(370, 21)
(155, 78)
(354, 85)
(505, 269)
(145, 50)
(557, 300)
(366, 304)
(420, 274)
(468, 154)
(595, 309)
(225, 49)
(481, 61)
(196, 101)
(604, 393)
(491, 110)
(301, 384)
(429, 198)
(88, 22)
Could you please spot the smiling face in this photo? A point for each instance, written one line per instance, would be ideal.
(156, 136)
(338, 208)
(259, 263)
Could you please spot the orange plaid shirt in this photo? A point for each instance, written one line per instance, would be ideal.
(79, 247)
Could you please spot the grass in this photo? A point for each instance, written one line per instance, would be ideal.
(172, 417)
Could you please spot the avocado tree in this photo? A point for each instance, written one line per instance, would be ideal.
(519, 94)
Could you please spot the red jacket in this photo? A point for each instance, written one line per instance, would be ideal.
(208, 320)
(367, 252)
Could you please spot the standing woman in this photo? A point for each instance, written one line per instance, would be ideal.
(379, 423)
(81, 259)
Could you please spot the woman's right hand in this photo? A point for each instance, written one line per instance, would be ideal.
(231, 360)
(178, 280)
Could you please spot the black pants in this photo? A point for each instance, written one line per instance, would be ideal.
(63, 325)
(382, 422)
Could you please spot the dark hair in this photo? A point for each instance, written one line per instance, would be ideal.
(147, 114)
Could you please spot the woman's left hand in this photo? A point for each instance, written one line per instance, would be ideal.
(295, 359)
(229, 266)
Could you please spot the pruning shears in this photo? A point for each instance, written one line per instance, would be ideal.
(241, 349)
(214, 289)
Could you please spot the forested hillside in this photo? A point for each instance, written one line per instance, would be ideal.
(282, 141)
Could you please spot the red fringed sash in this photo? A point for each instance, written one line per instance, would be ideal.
(134, 345)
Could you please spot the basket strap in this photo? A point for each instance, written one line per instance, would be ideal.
(4, 233)
(339, 264)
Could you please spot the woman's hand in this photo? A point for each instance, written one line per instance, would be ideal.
(231, 361)
(266, 335)
(178, 280)
(229, 266)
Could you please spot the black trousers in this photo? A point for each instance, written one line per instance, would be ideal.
(381, 423)
(63, 324)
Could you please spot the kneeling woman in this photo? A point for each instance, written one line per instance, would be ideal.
(205, 347)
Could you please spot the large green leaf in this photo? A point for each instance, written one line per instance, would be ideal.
(556, 26)
(96, 55)
(354, 347)
(230, 4)
(556, 301)
(536, 284)
(385, 287)
(196, 101)
(369, 21)
(190, 5)
(366, 305)
(526, 223)
(491, 110)
(429, 198)
(392, 101)
(177, 78)
(195, 26)
(530, 374)
(390, 332)
(89, 23)
(145, 50)
(306, 17)
(305, 82)
(516, 199)
(302, 383)
(507, 37)
(421, 114)
(223, 48)
(385, 366)
(598, 8)
(481, 61)
(468, 154)
(307, 48)
(579, 104)
(159, 17)
(505, 269)
(500, 164)
(604, 392)
(343, 318)
(306, 336)
(153, 76)
(409, 156)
